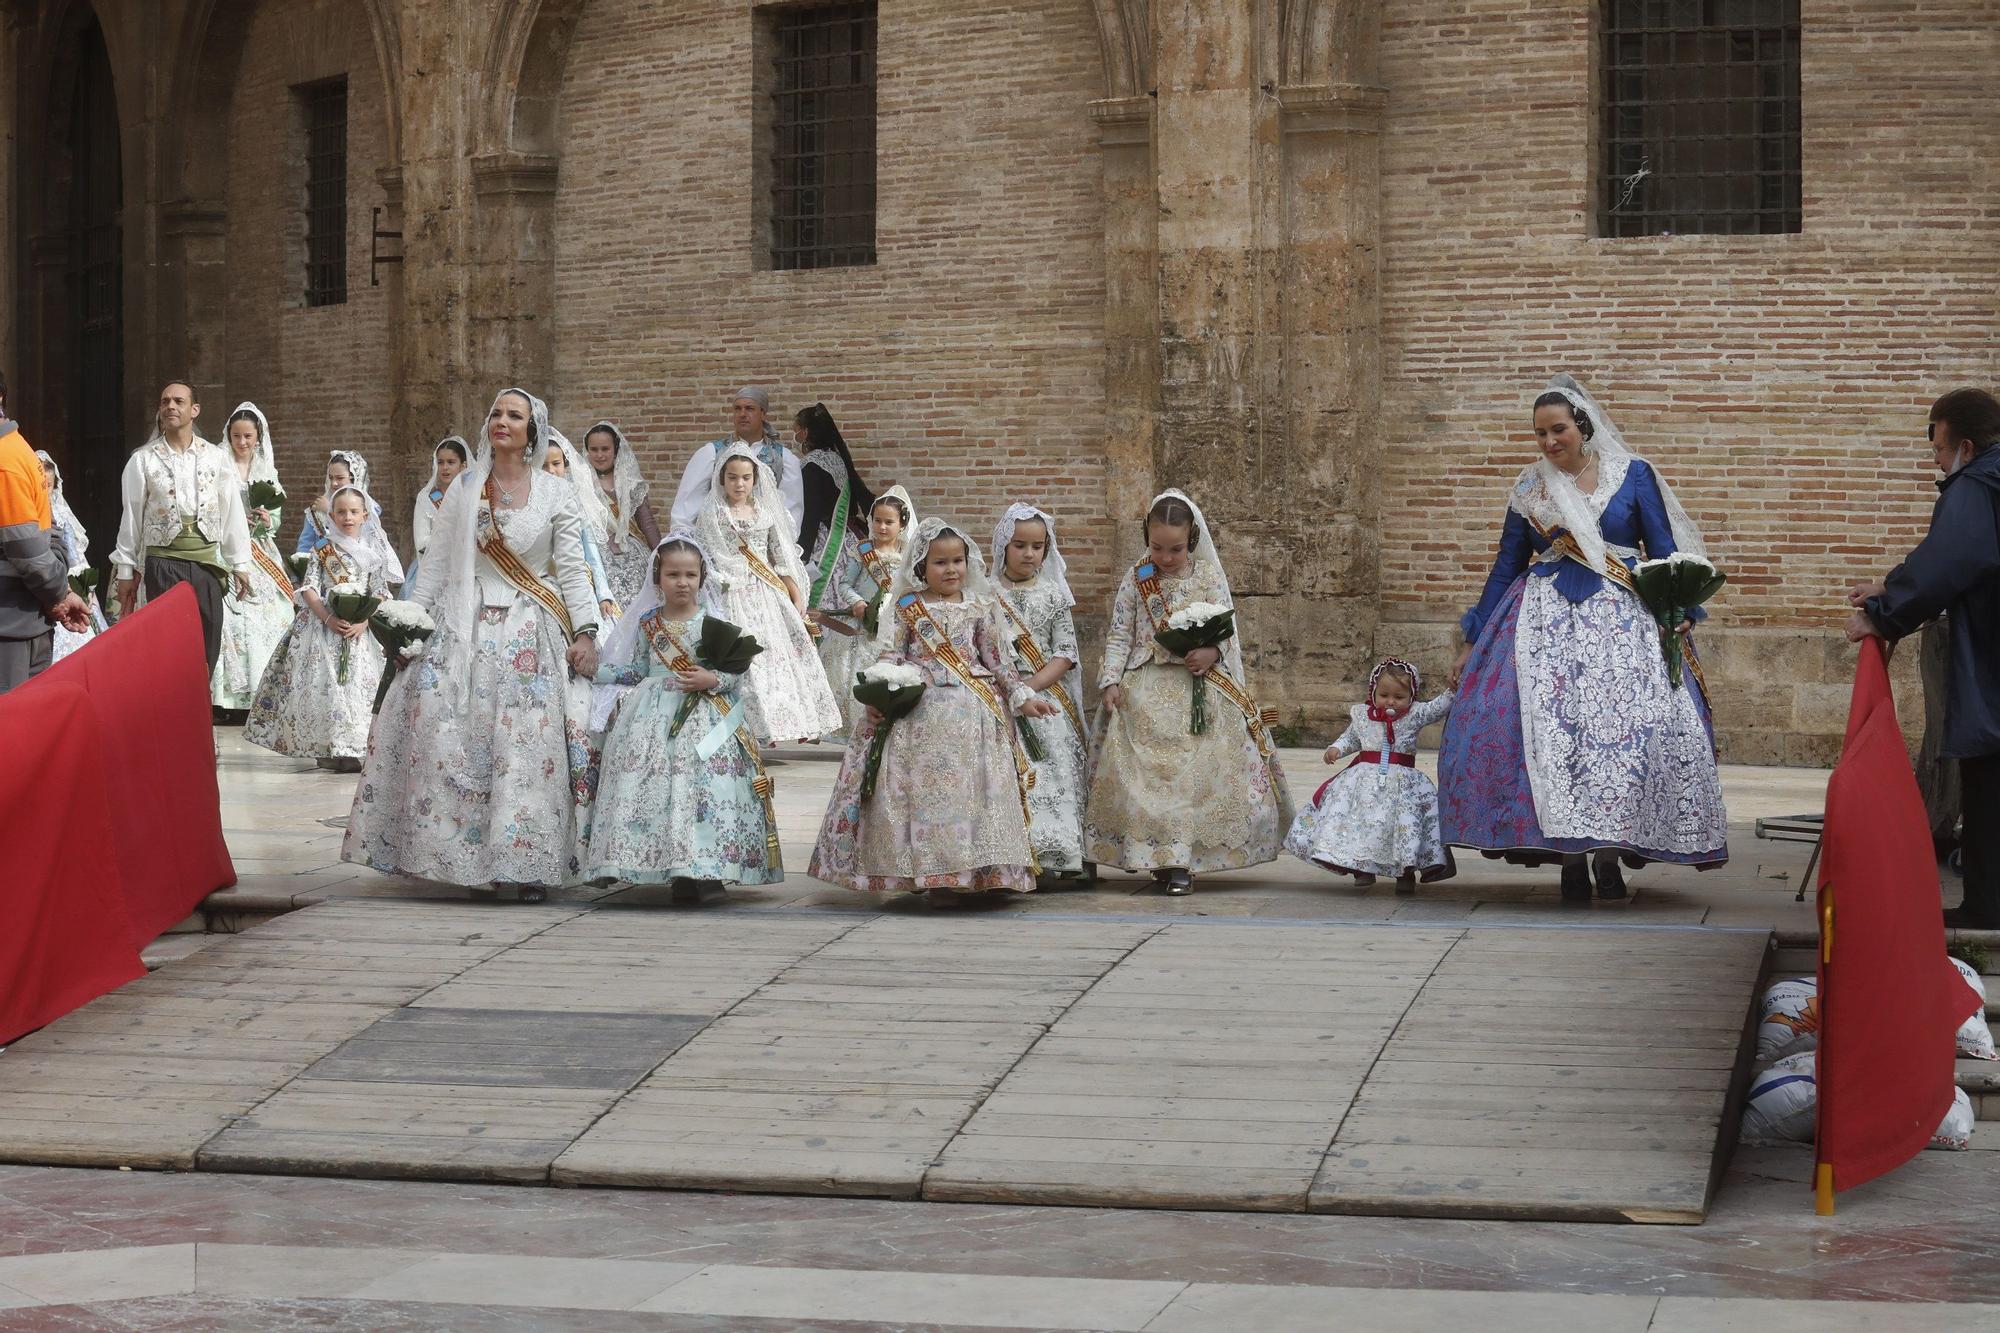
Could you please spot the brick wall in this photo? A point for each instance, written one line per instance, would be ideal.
(967, 363)
(321, 374)
(1781, 382)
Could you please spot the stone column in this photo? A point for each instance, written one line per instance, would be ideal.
(513, 289)
(1131, 305)
(1330, 352)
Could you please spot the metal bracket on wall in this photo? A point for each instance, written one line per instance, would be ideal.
(375, 256)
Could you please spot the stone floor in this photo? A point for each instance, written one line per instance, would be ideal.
(157, 1250)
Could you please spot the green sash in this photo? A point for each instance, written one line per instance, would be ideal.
(836, 537)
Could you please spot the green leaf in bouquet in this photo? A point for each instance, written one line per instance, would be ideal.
(892, 702)
(266, 494)
(725, 648)
(871, 619)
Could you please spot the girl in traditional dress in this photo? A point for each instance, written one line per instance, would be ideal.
(344, 467)
(948, 815)
(562, 462)
(316, 696)
(68, 641)
(1379, 816)
(835, 521)
(690, 809)
(1035, 601)
(480, 770)
(865, 575)
(746, 531)
(253, 626)
(629, 529)
(1567, 740)
(1162, 799)
(447, 461)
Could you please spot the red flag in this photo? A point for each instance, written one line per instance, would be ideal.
(1889, 1001)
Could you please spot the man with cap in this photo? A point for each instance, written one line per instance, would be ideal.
(751, 409)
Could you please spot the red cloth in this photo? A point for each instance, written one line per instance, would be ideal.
(147, 680)
(65, 938)
(1889, 1001)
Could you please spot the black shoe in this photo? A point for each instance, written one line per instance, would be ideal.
(534, 893)
(1963, 918)
(1180, 882)
(1610, 881)
(1576, 882)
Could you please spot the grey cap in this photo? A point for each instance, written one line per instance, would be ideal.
(761, 397)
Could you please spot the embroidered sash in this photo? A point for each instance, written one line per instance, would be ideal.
(493, 544)
(925, 631)
(758, 567)
(836, 537)
(1146, 579)
(271, 567)
(1031, 653)
(680, 659)
(872, 561)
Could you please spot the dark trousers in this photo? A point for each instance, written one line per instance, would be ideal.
(21, 659)
(163, 572)
(1979, 842)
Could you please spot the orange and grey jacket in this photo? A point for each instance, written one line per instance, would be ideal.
(33, 574)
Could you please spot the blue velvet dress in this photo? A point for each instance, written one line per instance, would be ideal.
(1566, 735)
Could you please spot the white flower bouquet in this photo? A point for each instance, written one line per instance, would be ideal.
(399, 627)
(1671, 588)
(891, 689)
(1197, 625)
(350, 602)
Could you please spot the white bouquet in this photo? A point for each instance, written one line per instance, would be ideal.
(891, 689)
(894, 675)
(399, 627)
(1195, 615)
(1197, 625)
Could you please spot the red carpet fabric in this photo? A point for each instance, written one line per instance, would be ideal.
(1889, 1001)
(147, 680)
(65, 938)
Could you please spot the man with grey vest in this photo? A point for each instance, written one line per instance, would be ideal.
(183, 519)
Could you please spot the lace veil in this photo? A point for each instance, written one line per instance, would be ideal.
(626, 482)
(622, 648)
(1206, 559)
(368, 548)
(909, 578)
(1055, 569)
(263, 460)
(589, 496)
(718, 534)
(64, 515)
(1543, 484)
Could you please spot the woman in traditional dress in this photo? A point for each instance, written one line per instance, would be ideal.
(562, 461)
(835, 521)
(68, 641)
(630, 531)
(344, 467)
(1163, 799)
(447, 461)
(480, 770)
(690, 808)
(948, 815)
(317, 696)
(253, 626)
(746, 531)
(1034, 598)
(862, 581)
(1566, 740)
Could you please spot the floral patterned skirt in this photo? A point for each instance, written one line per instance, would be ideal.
(786, 686)
(480, 767)
(251, 632)
(303, 708)
(946, 813)
(1566, 737)
(1062, 783)
(1162, 798)
(842, 655)
(663, 812)
(1373, 820)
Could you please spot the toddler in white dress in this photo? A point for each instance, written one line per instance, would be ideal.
(1379, 815)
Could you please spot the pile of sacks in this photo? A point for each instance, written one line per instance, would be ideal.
(1784, 1097)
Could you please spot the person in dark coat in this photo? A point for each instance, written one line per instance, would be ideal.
(1955, 570)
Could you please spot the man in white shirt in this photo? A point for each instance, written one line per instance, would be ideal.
(751, 409)
(183, 520)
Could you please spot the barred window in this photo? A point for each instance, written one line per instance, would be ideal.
(325, 107)
(1701, 117)
(823, 136)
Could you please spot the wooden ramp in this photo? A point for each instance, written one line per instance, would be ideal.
(1553, 1071)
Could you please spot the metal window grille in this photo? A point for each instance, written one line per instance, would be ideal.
(823, 150)
(326, 192)
(1701, 117)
